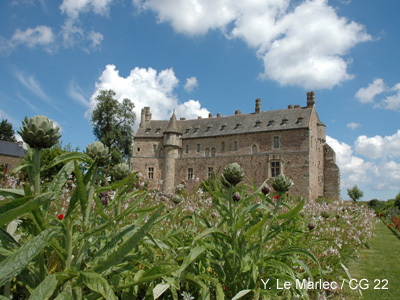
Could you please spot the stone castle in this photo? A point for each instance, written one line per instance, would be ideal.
(264, 143)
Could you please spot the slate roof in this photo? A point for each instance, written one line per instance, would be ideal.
(11, 149)
(283, 119)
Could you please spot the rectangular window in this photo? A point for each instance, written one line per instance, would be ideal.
(210, 172)
(276, 142)
(198, 148)
(235, 145)
(187, 149)
(223, 147)
(138, 149)
(151, 173)
(190, 174)
(155, 148)
(275, 168)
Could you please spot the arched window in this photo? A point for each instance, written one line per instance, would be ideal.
(254, 149)
(212, 152)
(207, 152)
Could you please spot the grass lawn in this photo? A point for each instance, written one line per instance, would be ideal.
(379, 262)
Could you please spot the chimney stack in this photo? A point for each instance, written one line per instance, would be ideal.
(310, 99)
(258, 106)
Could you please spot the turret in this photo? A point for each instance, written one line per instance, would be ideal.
(172, 142)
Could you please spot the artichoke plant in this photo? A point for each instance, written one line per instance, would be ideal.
(120, 171)
(232, 175)
(281, 183)
(39, 132)
(98, 151)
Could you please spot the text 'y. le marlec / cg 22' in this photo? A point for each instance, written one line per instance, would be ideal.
(264, 143)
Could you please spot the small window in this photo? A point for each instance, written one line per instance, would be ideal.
(187, 148)
(223, 147)
(210, 172)
(151, 173)
(208, 128)
(223, 127)
(198, 148)
(190, 174)
(299, 121)
(196, 130)
(275, 168)
(254, 149)
(258, 123)
(155, 148)
(237, 126)
(284, 122)
(148, 130)
(235, 145)
(138, 149)
(270, 123)
(158, 130)
(187, 130)
(276, 142)
(207, 152)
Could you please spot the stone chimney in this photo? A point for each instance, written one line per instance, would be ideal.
(310, 99)
(210, 115)
(145, 116)
(238, 112)
(148, 114)
(258, 106)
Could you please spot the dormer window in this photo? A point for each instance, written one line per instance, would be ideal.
(187, 130)
(208, 128)
(223, 127)
(196, 130)
(158, 130)
(284, 122)
(258, 123)
(270, 123)
(299, 121)
(148, 130)
(237, 126)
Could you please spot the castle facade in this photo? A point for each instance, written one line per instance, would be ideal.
(264, 143)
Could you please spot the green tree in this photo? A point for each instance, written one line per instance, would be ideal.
(355, 193)
(113, 124)
(7, 133)
(397, 200)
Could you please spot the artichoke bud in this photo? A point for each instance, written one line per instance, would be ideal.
(98, 151)
(232, 175)
(265, 189)
(176, 199)
(281, 183)
(39, 132)
(120, 171)
(236, 197)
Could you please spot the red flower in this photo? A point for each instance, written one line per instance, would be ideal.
(60, 217)
(276, 197)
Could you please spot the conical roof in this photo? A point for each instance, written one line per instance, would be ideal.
(173, 126)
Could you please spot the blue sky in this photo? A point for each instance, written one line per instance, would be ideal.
(201, 56)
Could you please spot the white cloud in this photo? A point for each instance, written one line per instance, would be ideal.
(96, 38)
(300, 45)
(147, 87)
(353, 125)
(367, 94)
(31, 37)
(29, 82)
(191, 84)
(76, 93)
(75, 7)
(378, 146)
(391, 102)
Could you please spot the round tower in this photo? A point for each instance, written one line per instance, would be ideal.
(172, 143)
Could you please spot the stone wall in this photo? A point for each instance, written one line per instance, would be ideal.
(331, 174)
(10, 162)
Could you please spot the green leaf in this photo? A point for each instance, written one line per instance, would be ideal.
(66, 294)
(98, 284)
(30, 205)
(256, 226)
(20, 168)
(14, 264)
(160, 289)
(292, 213)
(241, 294)
(127, 247)
(61, 178)
(7, 204)
(207, 232)
(68, 157)
(194, 253)
(45, 289)
(7, 239)
(12, 193)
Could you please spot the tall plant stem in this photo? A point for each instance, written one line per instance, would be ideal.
(36, 170)
(68, 241)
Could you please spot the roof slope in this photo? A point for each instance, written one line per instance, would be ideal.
(235, 124)
(11, 149)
